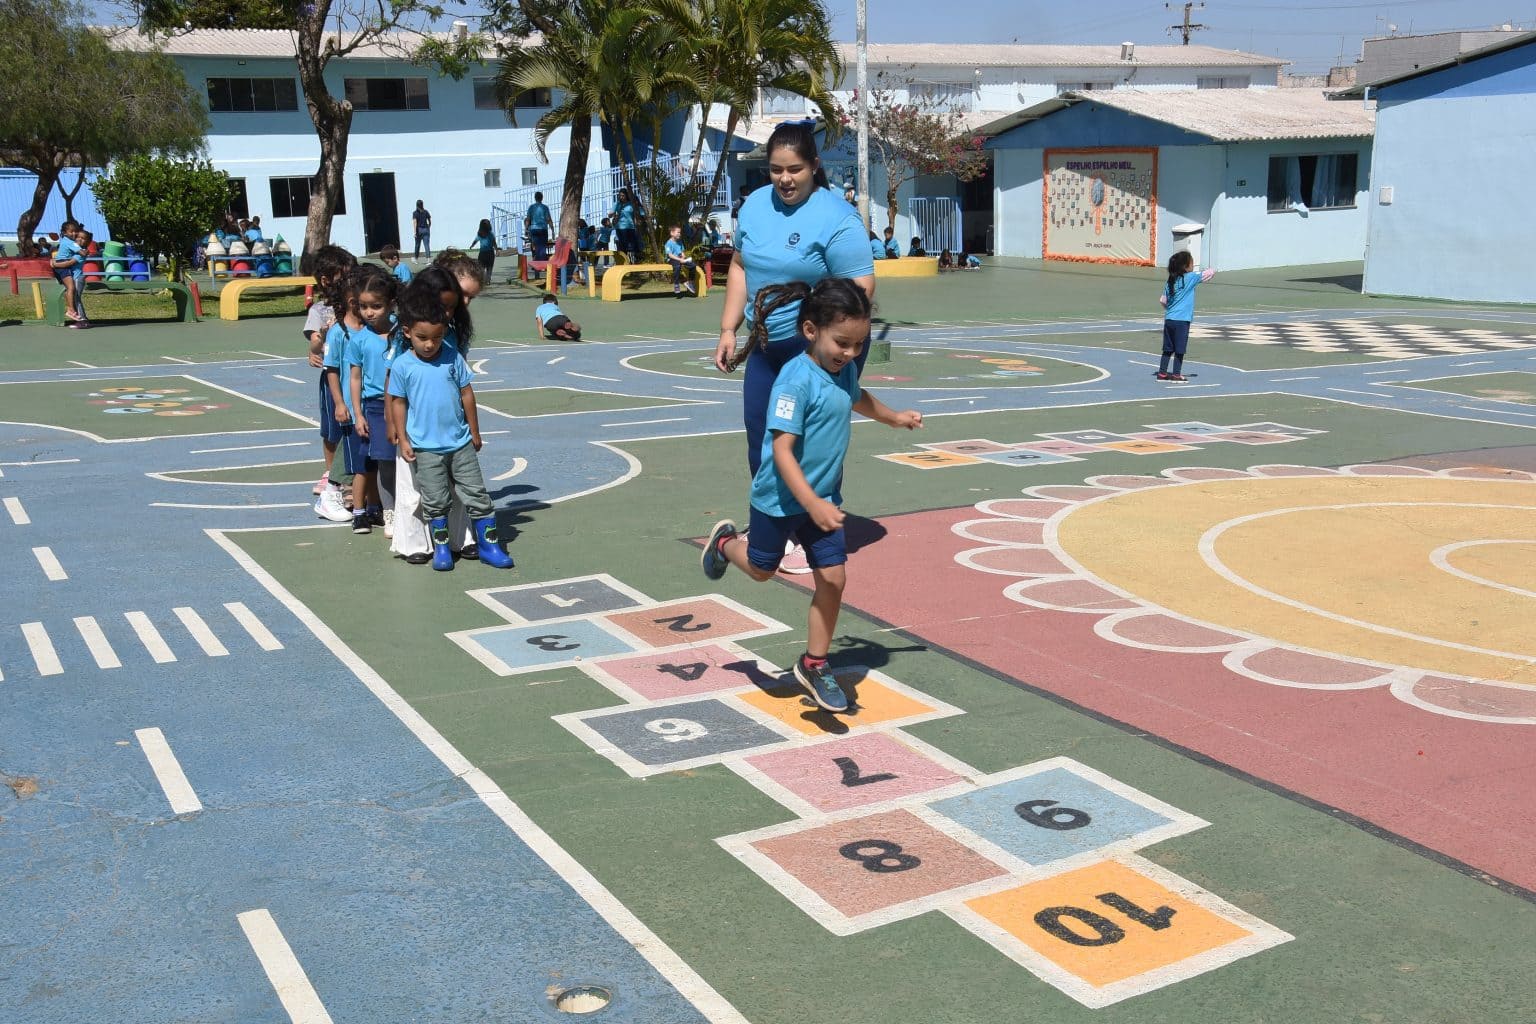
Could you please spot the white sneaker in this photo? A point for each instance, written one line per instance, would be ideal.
(794, 562)
(389, 522)
(330, 506)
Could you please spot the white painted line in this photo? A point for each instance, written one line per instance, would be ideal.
(1498, 412)
(557, 359)
(1081, 391)
(254, 626)
(711, 391)
(150, 637)
(1378, 373)
(200, 632)
(96, 642)
(248, 398)
(957, 398)
(18, 514)
(285, 973)
(1294, 378)
(167, 769)
(174, 359)
(43, 654)
(590, 376)
(646, 423)
(51, 567)
(76, 362)
(518, 465)
(1370, 394)
(40, 462)
(250, 447)
(1481, 362)
(291, 380)
(477, 367)
(269, 355)
(235, 508)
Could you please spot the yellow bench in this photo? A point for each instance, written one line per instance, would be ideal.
(229, 295)
(908, 266)
(613, 278)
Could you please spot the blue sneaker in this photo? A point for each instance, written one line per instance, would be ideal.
(712, 560)
(821, 684)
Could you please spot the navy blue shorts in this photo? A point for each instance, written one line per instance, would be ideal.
(379, 449)
(330, 431)
(766, 536)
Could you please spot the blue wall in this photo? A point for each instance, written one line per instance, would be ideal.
(1455, 147)
(16, 198)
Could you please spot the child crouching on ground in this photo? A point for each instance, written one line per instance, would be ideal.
(797, 488)
(553, 323)
(434, 400)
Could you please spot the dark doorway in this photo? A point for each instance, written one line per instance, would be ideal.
(976, 212)
(381, 219)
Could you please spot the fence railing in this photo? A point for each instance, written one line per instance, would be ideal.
(936, 220)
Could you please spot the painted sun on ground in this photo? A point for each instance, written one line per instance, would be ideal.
(1346, 578)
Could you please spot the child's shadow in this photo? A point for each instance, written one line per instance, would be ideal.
(859, 532)
(784, 686)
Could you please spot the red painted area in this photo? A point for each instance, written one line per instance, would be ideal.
(1459, 787)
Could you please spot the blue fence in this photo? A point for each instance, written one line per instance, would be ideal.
(16, 188)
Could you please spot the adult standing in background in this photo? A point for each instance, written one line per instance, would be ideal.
(421, 219)
(627, 215)
(537, 223)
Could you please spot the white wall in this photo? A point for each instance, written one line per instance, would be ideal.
(1019, 196)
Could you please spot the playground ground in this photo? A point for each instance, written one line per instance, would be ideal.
(1204, 702)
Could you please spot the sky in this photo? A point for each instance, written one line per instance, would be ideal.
(1312, 34)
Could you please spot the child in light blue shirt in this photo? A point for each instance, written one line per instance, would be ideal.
(1178, 301)
(390, 255)
(682, 264)
(553, 323)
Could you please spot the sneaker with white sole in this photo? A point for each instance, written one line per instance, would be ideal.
(330, 506)
(713, 561)
(821, 684)
(794, 562)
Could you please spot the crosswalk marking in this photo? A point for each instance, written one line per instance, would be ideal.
(178, 790)
(96, 642)
(46, 658)
(150, 637)
(51, 567)
(260, 633)
(201, 633)
(18, 514)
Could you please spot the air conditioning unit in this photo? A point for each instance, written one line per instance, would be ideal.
(1127, 51)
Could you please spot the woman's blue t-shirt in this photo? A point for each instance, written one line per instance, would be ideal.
(821, 237)
(624, 215)
(485, 243)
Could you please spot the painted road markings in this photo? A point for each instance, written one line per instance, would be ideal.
(150, 637)
(17, 513)
(254, 626)
(200, 632)
(178, 791)
(50, 563)
(283, 969)
(96, 642)
(43, 654)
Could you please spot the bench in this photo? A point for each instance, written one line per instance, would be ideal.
(229, 295)
(613, 278)
(49, 302)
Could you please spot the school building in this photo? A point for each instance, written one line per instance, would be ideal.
(1449, 217)
(1250, 178)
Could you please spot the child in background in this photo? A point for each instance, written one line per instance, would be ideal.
(553, 323)
(1178, 301)
(797, 488)
(365, 362)
(69, 270)
(329, 267)
(391, 256)
(485, 246)
(892, 247)
(946, 261)
(876, 247)
(682, 265)
(916, 248)
(472, 280)
(435, 405)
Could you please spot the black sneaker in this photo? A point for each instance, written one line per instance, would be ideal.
(711, 559)
(361, 523)
(418, 558)
(821, 684)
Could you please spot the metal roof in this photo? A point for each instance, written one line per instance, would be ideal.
(1515, 40)
(1027, 55)
(258, 42)
(1222, 115)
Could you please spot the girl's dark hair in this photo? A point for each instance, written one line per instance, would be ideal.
(831, 299)
(1179, 264)
(485, 226)
(439, 279)
(369, 277)
(421, 302)
(459, 266)
(801, 138)
(330, 266)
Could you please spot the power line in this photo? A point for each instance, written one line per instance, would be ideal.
(1186, 28)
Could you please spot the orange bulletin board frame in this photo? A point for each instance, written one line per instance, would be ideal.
(1092, 155)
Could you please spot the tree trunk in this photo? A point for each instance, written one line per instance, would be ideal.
(575, 176)
(725, 149)
(47, 172)
(69, 197)
(332, 119)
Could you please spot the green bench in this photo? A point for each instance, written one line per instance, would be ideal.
(49, 301)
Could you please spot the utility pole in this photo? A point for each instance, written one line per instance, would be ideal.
(862, 84)
(1186, 28)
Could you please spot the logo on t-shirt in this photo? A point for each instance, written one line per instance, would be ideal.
(784, 408)
(793, 240)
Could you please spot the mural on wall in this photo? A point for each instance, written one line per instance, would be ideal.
(1101, 205)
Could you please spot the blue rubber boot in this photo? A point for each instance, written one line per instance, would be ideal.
(491, 551)
(442, 555)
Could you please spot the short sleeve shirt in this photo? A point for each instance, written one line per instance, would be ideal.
(68, 250)
(422, 219)
(370, 351)
(319, 319)
(547, 310)
(538, 217)
(402, 273)
(674, 248)
(434, 414)
(817, 408)
(624, 216)
(821, 237)
(1181, 304)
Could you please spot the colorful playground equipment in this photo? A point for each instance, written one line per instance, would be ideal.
(238, 260)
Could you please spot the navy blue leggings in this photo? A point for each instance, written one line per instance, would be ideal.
(763, 367)
(1175, 344)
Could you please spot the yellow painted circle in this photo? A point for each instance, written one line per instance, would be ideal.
(119, 391)
(179, 412)
(1412, 571)
(157, 405)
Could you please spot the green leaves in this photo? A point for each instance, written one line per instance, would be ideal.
(163, 205)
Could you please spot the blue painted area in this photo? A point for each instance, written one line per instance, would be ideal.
(1510, 72)
(17, 186)
(1050, 816)
(1088, 124)
(544, 646)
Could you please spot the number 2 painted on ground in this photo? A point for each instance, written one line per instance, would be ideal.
(681, 623)
(1106, 932)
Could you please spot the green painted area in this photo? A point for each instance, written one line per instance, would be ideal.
(138, 407)
(1381, 933)
(302, 472)
(918, 366)
(1502, 387)
(555, 401)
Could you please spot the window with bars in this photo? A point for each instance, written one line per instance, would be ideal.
(252, 95)
(290, 197)
(1222, 81)
(387, 93)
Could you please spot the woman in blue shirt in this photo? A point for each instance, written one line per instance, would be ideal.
(796, 230)
(485, 246)
(626, 223)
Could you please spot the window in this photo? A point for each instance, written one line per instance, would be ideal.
(290, 198)
(777, 101)
(530, 176)
(943, 97)
(485, 96)
(230, 95)
(1325, 181)
(240, 205)
(387, 93)
(1221, 81)
(1062, 87)
(493, 177)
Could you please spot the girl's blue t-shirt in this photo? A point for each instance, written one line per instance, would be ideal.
(877, 249)
(485, 243)
(821, 237)
(547, 310)
(434, 414)
(624, 215)
(817, 408)
(1181, 302)
(372, 352)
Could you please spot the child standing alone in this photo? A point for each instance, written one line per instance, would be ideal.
(797, 489)
(1178, 301)
(434, 399)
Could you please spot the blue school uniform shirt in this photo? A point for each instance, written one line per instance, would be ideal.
(68, 250)
(547, 310)
(821, 237)
(485, 243)
(876, 249)
(893, 250)
(538, 217)
(434, 414)
(674, 248)
(624, 215)
(816, 407)
(1181, 304)
(402, 273)
(371, 351)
